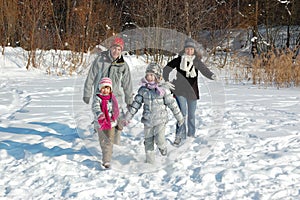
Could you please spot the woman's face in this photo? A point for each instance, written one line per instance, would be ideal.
(189, 51)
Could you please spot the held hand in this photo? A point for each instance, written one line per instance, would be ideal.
(125, 122)
(122, 123)
(180, 122)
(128, 107)
(86, 100)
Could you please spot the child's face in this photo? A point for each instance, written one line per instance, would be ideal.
(105, 90)
(150, 77)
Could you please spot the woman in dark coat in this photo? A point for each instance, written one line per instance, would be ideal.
(186, 92)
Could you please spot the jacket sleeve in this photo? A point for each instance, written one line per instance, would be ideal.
(168, 68)
(204, 70)
(127, 84)
(170, 102)
(136, 104)
(96, 109)
(90, 79)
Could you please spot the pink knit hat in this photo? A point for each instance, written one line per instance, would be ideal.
(105, 82)
(118, 42)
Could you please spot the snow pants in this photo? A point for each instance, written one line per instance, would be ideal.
(106, 139)
(155, 134)
(117, 137)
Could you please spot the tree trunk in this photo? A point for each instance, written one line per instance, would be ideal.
(254, 49)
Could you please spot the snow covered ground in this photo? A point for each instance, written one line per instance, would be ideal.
(247, 145)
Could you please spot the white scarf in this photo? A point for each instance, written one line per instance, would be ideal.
(188, 68)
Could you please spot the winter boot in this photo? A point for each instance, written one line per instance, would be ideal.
(150, 157)
(106, 165)
(177, 140)
(163, 151)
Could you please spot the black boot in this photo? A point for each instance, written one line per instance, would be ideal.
(163, 151)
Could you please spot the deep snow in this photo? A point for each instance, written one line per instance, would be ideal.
(247, 144)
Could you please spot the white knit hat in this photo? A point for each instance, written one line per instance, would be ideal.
(105, 82)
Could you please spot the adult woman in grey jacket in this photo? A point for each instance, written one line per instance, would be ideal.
(111, 64)
(156, 97)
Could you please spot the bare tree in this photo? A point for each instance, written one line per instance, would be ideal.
(34, 20)
(8, 20)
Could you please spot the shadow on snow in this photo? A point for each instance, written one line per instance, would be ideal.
(64, 132)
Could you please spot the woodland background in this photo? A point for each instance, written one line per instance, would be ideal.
(80, 25)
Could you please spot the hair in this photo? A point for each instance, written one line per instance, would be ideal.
(196, 53)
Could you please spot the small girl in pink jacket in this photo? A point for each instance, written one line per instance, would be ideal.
(106, 113)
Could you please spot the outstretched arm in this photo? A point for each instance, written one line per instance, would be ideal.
(136, 104)
(204, 70)
(170, 102)
(132, 110)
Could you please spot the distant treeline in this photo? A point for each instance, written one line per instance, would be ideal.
(79, 25)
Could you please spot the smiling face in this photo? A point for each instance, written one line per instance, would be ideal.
(106, 90)
(189, 51)
(115, 51)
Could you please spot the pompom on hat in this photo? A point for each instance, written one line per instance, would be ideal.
(105, 82)
(189, 42)
(118, 42)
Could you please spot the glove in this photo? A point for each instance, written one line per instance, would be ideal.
(119, 127)
(122, 123)
(86, 100)
(125, 122)
(214, 77)
(128, 107)
(180, 122)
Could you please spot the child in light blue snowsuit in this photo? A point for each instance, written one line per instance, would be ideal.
(155, 95)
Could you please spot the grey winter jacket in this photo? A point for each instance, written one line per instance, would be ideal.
(118, 71)
(96, 108)
(155, 106)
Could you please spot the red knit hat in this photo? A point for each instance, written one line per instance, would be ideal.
(118, 42)
(105, 82)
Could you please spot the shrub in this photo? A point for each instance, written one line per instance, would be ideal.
(277, 67)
